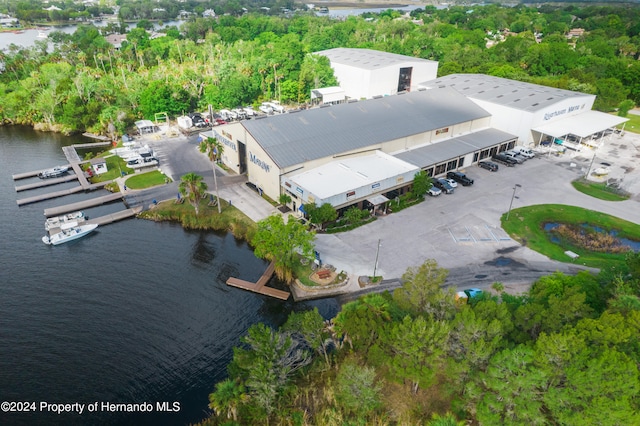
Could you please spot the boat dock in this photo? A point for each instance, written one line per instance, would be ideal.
(19, 176)
(104, 220)
(259, 286)
(60, 210)
(46, 182)
(48, 196)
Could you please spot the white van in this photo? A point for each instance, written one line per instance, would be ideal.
(525, 152)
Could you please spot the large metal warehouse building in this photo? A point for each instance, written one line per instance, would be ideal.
(365, 73)
(533, 112)
(360, 152)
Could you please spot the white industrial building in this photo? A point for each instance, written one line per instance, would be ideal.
(533, 112)
(365, 73)
(360, 152)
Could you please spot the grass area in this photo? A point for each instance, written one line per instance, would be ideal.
(147, 180)
(231, 219)
(115, 167)
(598, 190)
(526, 225)
(633, 125)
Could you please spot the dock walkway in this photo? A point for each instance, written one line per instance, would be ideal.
(45, 182)
(60, 210)
(259, 286)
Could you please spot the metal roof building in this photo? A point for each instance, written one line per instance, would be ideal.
(356, 152)
(365, 73)
(299, 137)
(526, 109)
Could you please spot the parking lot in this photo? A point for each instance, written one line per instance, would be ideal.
(462, 232)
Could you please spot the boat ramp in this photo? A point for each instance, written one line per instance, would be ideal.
(259, 286)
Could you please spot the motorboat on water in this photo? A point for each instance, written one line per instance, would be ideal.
(69, 232)
(53, 172)
(58, 221)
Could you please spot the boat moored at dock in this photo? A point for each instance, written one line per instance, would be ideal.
(58, 221)
(69, 232)
(53, 172)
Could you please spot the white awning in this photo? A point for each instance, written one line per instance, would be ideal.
(376, 200)
(582, 125)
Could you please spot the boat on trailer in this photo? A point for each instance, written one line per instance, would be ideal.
(58, 221)
(69, 232)
(53, 172)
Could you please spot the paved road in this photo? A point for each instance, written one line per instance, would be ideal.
(460, 231)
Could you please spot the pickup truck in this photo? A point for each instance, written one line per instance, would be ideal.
(460, 177)
(504, 159)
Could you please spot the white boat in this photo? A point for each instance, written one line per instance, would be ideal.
(53, 172)
(69, 232)
(58, 221)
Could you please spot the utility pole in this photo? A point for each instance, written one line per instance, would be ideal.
(215, 179)
(375, 266)
(516, 186)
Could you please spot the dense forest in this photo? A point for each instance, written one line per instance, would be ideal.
(85, 83)
(566, 352)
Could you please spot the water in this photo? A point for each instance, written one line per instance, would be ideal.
(632, 244)
(136, 312)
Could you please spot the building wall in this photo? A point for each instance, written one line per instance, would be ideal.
(359, 83)
(563, 109)
(228, 136)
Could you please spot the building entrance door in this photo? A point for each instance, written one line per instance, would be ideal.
(404, 79)
(242, 157)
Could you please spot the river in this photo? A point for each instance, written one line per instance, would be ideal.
(136, 312)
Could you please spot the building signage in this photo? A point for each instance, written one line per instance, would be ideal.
(550, 115)
(227, 135)
(443, 130)
(225, 138)
(375, 185)
(255, 160)
(351, 194)
(299, 190)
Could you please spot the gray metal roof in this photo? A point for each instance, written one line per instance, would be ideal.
(514, 94)
(430, 155)
(297, 137)
(366, 58)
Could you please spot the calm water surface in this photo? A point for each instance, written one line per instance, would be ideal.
(136, 312)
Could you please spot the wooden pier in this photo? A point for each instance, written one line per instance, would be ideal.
(259, 286)
(60, 210)
(48, 196)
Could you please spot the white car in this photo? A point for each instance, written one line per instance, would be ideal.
(266, 108)
(452, 182)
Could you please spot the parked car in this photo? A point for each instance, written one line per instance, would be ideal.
(460, 178)
(219, 122)
(266, 108)
(434, 191)
(504, 159)
(452, 182)
(492, 167)
(443, 185)
(197, 120)
(524, 152)
(519, 159)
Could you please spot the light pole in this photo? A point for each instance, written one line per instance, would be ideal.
(375, 266)
(516, 186)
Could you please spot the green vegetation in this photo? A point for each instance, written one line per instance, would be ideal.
(283, 243)
(526, 225)
(566, 352)
(231, 219)
(116, 167)
(194, 189)
(241, 60)
(633, 125)
(146, 180)
(598, 190)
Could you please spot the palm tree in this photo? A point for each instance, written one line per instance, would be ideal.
(193, 188)
(214, 150)
(229, 395)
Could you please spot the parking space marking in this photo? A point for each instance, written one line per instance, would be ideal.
(478, 234)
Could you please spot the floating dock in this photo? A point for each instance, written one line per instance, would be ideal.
(46, 182)
(25, 175)
(259, 286)
(60, 210)
(49, 196)
(107, 219)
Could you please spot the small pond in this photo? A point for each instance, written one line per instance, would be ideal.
(550, 226)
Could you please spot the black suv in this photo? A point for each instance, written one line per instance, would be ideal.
(504, 159)
(460, 177)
